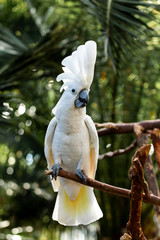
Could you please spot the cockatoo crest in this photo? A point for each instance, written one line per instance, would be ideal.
(79, 67)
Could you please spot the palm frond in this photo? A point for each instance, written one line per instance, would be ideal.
(40, 16)
(123, 23)
(11, 47)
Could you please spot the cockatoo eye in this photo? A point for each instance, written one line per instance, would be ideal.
(74, 91)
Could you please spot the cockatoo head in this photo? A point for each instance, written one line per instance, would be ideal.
(77, 76)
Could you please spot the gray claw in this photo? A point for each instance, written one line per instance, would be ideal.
(81, 175)
(55, 169)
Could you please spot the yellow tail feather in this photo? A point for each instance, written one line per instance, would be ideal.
(76, 206)
(83, 210)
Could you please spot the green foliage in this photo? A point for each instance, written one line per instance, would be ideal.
(34, 38)
(124, 25)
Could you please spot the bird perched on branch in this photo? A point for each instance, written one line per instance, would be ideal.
(71, 140)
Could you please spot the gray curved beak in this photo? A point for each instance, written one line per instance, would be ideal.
(81, 99)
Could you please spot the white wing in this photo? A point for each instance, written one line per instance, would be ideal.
(48, 149)
(94, 148)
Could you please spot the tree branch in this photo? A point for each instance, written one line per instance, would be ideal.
(119, 151)
(142, 138)
(93, 183)
(154, 135)
(126, 236)
(139, 169)
(104, 187)
(120, 128)
(134, 224)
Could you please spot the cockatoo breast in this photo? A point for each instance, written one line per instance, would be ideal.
(71, 142)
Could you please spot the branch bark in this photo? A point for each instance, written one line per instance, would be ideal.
(142, 138)
(154, 135)
(126, 236)
(120, 128)
(139, 169)
(134, 224)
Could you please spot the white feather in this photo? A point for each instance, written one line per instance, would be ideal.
(80, 65)
(93, 134)
(48, 150)
(70, 64)
(92, 213)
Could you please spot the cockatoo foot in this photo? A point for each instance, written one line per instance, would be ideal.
(81, 175)
(55, 169)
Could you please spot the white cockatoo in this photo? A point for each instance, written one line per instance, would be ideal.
(71, 141)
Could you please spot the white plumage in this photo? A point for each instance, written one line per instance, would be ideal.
(79, 67)
(71, 140)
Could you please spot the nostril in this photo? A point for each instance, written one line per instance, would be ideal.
(84, 100)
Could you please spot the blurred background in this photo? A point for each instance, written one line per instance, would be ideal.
(35, 35)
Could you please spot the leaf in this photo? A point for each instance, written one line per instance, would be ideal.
(128, 18)
(10, 47)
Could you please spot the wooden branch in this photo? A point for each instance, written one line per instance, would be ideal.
(150, 176)
(104, 187)
(126, 236)
(93, 183)
(154, 135)
(119, 151)
(139, 169)
(134, 224)
(120, 128)
(110, 125)
(142, 138)
(152, 183)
